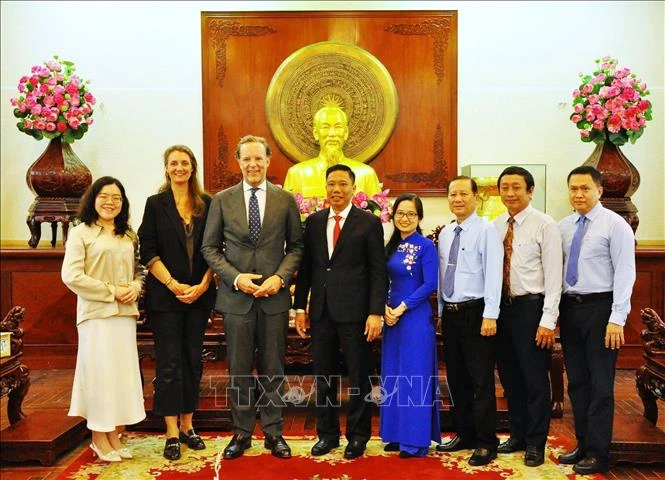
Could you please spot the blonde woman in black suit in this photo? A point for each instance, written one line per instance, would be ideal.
(179, 294)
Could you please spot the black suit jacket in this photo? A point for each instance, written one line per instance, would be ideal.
(162, 234)
(353, 282)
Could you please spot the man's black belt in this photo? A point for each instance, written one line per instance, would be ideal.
(458, 307)
(529, 297)
(587, 297)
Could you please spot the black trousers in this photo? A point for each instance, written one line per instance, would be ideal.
(470, 361)
(178, 346)
(524, 372)
(590, 368)
(327, 339)
(266, 334)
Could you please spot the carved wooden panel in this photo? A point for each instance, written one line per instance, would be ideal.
(241, 52)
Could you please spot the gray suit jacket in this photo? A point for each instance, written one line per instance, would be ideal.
(229, 251)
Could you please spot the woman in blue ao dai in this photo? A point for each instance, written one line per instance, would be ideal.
(409, 366)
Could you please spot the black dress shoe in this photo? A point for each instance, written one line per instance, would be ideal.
(391, 447)
(572, 457)
(237, 445)
(589, 465)
(534, 456)
(277, 446)
(511, 445)
(455, 445)
(192, 439)
(172, 449)
(354, 449)
(482, 456)
(324, 446)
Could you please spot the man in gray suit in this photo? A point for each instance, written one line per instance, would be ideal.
(253, 241)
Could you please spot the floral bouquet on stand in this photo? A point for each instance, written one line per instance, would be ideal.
(53, 101)
(610, 104)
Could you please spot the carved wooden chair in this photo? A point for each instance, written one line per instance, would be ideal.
(650, 377)
(14, 376)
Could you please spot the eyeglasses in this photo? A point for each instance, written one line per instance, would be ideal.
(116, 199)
(410, 215)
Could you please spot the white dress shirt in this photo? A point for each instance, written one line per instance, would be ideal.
(330, 227)
(479, 270)
(260, 196)
(607, 258)
(536, 265)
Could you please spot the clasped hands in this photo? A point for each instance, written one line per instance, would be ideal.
(270, 286)
(188, 293)
(126, 293)
(392, 315)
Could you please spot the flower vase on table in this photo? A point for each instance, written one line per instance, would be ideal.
(610, 110)
(54, 103)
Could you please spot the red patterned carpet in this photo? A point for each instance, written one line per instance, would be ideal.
(375, 464)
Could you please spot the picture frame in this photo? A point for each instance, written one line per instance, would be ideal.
(487, 175)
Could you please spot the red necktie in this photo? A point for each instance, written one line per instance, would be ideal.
(337, 230)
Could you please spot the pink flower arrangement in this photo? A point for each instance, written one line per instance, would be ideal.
(53, 102)
(378, 204)
(609, 105)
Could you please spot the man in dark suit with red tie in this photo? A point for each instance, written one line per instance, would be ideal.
(344, 270)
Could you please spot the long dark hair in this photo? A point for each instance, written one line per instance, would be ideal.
(89, 215)
(395, 238)
(195, 192)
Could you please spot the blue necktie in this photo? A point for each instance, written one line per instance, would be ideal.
(254, 217)
(571, 272)
(449, 277)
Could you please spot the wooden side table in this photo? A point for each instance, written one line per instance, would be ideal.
(53, 210)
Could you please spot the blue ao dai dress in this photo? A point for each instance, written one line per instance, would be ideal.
(409, 365)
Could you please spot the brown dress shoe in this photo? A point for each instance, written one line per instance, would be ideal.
(589, 465)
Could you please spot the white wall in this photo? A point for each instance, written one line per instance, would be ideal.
(518, 63)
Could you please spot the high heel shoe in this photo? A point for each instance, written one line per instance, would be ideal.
(125, 453)
(111, 456)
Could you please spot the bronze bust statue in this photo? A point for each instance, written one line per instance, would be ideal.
(330, 131)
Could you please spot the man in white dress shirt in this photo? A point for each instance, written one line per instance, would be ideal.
(533, 262)
(599, 273)
(470, 259)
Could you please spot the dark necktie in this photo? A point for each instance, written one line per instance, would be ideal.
(254, 217)
(571, 272)
(337, 230)
(507, 255)
(449, 277)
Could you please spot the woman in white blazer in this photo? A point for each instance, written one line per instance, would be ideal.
(101, 267)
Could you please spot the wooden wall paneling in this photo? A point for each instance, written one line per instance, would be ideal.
(241, 52)
(31, 278)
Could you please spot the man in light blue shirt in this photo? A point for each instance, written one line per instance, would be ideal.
(470, 275)
(599, 273)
